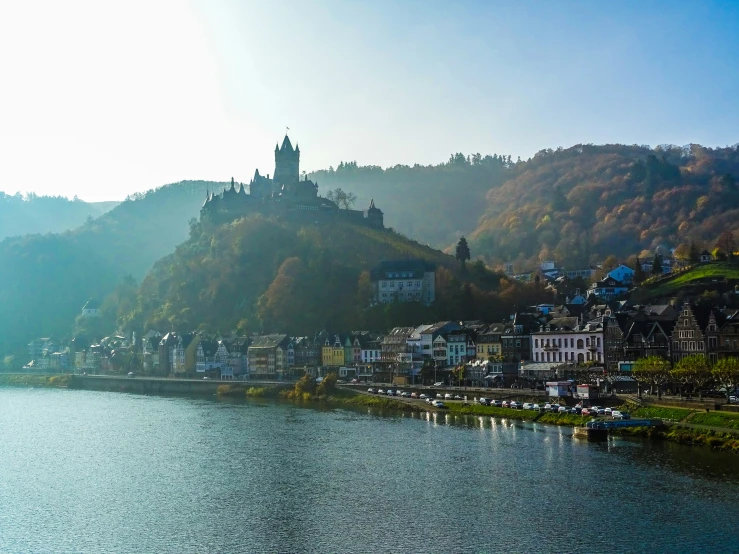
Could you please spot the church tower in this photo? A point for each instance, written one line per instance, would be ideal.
(287, 165)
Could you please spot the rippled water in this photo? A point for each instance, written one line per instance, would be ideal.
(104, 472)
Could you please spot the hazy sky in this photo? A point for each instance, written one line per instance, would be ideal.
(102, 98)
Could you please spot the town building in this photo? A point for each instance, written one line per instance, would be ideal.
(403, 281)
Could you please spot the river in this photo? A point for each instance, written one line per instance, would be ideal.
(104, 472)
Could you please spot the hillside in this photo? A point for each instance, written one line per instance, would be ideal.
(274, 275)
(47, 278)
(586, 202)
(711, 278)
(31, 214)
(434, 204)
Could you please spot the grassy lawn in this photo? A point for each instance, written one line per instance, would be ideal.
(716, 419)
(718, 270)
(675, 414)
(573, 420)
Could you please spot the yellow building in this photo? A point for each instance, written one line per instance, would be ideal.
(332, 352)
(488, 343)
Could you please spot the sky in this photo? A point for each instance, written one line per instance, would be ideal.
(102, 99)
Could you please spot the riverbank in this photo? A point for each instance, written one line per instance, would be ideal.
(29, 380)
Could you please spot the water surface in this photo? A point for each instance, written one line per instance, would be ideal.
(104, 472)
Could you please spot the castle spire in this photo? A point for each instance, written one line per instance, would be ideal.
(232, 184)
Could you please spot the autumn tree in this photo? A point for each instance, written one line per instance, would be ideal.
(652, 370)
(726, 373)
(462, 252)
(610, 263)
(726, 244)
(693, 371)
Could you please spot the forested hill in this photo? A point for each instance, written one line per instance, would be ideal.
(31, 214)
(583, 203)
(46, 279)
(273, 275)
(433, 204)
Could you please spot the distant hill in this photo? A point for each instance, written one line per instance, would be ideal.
(47, 278)
(587, 202)
(31, 214)
(434, 204)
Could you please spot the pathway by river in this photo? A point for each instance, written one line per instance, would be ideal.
(104, 472)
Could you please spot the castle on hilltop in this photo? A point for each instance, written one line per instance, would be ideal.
(283, 195)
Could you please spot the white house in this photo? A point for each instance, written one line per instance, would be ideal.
(91, 308)
(566, 346)
(403, 281)
(623, 274)
(607, 289)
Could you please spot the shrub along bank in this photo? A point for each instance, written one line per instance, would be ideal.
(25, 380)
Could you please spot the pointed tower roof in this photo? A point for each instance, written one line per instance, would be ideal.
(241, 188)
(286, 145)
(233, 187)
(372, 203)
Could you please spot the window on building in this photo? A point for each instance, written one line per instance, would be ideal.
(536, 343)
(518, 344)
(384, 284)
(536, 356)
(579, 344)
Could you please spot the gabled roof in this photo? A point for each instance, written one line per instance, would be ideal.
(268, 341)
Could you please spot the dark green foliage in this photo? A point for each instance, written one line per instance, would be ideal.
(657, 265)
(462, 252)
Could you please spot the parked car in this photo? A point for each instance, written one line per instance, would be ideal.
(601, 411)
(577, 410)
(484, 401)
(438, 384)
(515, 405)
(505, 404)
(438, 404)
(608, 411)
(562, 409)
(536, 408)
(380, 391)
(390, 392)
(617, 414)
(429, 400)
(423, 396)
(457, 397)
(586, 412)
(528, 406)
(371, 391)
(414, 395)
(496, 403)
(548, 407)
(447, 396)
(439, 395)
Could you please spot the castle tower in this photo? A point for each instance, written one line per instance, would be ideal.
(375, 217)
(287, 165)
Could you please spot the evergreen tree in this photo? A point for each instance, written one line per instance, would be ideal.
(463, 251)
(694, 254)
(639, 274)
(657, 265)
